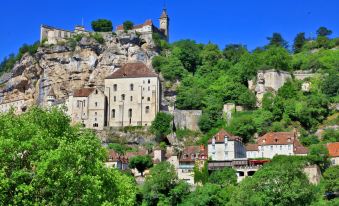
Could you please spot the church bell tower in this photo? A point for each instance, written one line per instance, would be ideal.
(164, 23)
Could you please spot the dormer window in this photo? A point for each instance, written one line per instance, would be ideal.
(213, 140)
(192, 156)
(276, 140)
(225, 139)
(264, 140)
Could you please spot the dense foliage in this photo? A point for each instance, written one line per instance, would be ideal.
(128, 25)
(102, 25)
(161, 125)
(141, 163)
(204, 77)
(45, 161)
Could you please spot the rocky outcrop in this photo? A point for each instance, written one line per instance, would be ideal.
(71, 65)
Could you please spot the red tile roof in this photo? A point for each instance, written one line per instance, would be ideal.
(299, 148)
(333, 149)
(148, 22)
(132, 70)
(220, 137)
(190, 151)
(276, 138)
(251, 147)
(83, 92)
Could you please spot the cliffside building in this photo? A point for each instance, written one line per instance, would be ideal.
(224, 146)
(276, 143)
(87, 106)
(133, 94)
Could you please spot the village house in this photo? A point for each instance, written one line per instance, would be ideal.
(190, 156)
(133, 93)
(87, 106)
(276, 143)
(224, 146)
(333, 152)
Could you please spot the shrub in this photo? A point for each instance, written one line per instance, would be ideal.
(102, 25)
(98, 37)
(128, 25)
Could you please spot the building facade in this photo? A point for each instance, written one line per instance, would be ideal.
(54, 35)
(133, 96)
(88, 107)
(333, 152)
(224, 146)
(191, 155)
(276, 143)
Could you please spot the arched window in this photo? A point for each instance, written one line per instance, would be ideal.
(115, 87)
(148, 98)
(147, 109)
(115, 98)
(131, 98)
(96, 104)
(122, 97)
(113, 113)
(131, 87)
(130, 113)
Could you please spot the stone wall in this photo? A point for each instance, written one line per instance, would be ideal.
(313, 173)
(187, 119)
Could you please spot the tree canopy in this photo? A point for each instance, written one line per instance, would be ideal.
(102, 25)
(46, 161)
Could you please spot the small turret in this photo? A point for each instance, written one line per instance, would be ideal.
(164, 23)
(51, 97)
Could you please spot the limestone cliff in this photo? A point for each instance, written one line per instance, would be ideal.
(72, 64)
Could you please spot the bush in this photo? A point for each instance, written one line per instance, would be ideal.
(128, 25)
(98, 37)
(102, 25)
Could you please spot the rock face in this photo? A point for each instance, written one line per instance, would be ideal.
(68, 66)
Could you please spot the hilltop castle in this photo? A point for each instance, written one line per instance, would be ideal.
(54, 35)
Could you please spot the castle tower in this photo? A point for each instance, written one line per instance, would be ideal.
(164, 23)
(50, 97)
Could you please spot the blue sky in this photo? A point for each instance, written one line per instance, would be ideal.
(219, 21)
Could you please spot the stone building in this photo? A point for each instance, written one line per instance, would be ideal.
(54, 35)
(148, 28)
(333, 152)
(224, 146)
(190, 156)
(133, 96)
(19, 106)
(276, 143)
(187, 119)
(88, 107)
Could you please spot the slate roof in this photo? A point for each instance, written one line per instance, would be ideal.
(83, 92)
(132, 70)
(333, 149)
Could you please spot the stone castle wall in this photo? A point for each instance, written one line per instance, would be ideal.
(187, 119)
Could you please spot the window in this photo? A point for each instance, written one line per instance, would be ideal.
(96, 104)
(149, 88)
(142, 97)
(226, 154)
(213, 147)
(130, 113)
(78, 103)
(280, 147)
(131, 87)
(271, 148)
(115, 87)
(95, 119)
(113, 113)
(131, 98)
(122, 97)
(289, 146)
(149, 81)
(95, 125)
(115, 98)
(96, 91)
(147, 109)
(95, 113)
(148, 98)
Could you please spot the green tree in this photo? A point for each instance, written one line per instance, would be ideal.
(161, 125)
(318, 154)
(118, 148)
(234, 52)
(299, 42)
(277, 58)
(161, 183)
(330, 85)
(281, 182)
(141, 163)
(210, 54)
(128, 25)
(200, 172)
(323, 31)
(331, 135)
(102, 25)
(277, 40)
(173, 69)
(331, 179)
(224, 177)
(46, 161)
(187, 51)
